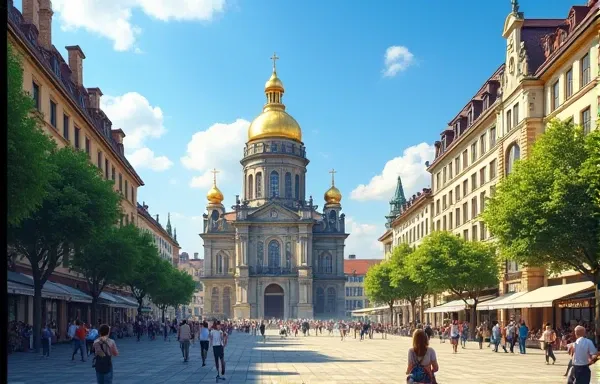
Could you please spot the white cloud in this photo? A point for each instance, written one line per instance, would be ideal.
(133, 113)
(397, 59)
(112, 19)
(362, 241)
(410, 166)
(145, 158)
(220, 147)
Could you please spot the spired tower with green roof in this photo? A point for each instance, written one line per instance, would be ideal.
(396, 203)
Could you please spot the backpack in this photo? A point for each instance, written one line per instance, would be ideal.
(418, 373)
(103, 364)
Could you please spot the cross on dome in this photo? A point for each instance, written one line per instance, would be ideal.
(274, 58)
(333, 172)
(214, 172)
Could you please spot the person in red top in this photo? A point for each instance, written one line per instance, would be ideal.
(79, 340)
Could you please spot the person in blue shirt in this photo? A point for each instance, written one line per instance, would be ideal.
(89, 340)
(523, 333)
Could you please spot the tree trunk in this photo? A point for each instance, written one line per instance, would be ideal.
(163, 314)
(597, 314)
(94, 319)
(422, 310)
(392, 312)
(473, 321)
(37, 314)
(140, 305)
(413, 307)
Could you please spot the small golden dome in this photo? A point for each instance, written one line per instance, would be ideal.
(214, 195)
(274, 82)
(275, 123)
(333, 195)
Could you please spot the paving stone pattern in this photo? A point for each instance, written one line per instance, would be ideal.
(308, 360)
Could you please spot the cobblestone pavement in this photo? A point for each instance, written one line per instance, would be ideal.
(308, 360)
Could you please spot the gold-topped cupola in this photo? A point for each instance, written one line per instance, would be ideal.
(214, 195)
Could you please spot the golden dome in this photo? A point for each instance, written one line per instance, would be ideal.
(274, 121)
(214, 195)
(333, 195)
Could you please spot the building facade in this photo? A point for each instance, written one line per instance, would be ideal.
(275, 255)
(355, 271)
(164, 239)
(195, 268)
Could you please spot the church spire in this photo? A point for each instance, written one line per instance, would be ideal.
(397, 202)
(274, 89)
(169, 231)
(175, 234)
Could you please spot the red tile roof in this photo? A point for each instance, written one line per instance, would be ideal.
(359, 266)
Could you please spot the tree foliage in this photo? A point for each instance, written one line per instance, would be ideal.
(406, 287)
(177, 289)
(28, 168)
(379, 287)
(78, 203)
(546, 212)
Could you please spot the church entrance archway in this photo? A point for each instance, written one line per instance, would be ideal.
(274, 301)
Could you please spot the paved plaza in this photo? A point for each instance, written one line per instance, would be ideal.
(308, 360)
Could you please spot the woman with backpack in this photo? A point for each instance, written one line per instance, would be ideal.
(422, 361)
(104, 349)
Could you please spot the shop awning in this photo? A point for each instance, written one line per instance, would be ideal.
(498, 301)
(128, 300)
(19, 289)
(368, 311)
(19, 283)
(456, 305)
(545, 296)
(114, 301)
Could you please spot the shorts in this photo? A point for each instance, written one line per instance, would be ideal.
(218, 351)
(204, 345)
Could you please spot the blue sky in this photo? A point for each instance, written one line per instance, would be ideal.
(184, 78)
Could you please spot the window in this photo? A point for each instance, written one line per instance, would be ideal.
(492, 137)
(457, 192)
(555, 96)
(474, 211)
(514, 154)
(437, 207)
(569, 83)
(483, 143)
(482, 201)
(437, 180)
(120, 183)
(492, 169)
(250, 187)
(465, 160)
(288, 185)
(482, 176)
(465, 188)
(457, 216)
(113, 174)
(77, 137)
(482, 231)
(450, 201)
(444, 226)
(259, 185)
(100, 160)
(450, 222)
(474, 232)
(444, 202)
(585, 70)
(586, 121)
(473, 182)
(326, 265)
(457, 165)
(437, 227)
(36, 96)
(126, 189)
(444, 175)
(331, 299)
(466, 234)
(508, 121)
(66, 126)
(297, 187)
(274, 184)
(516, 115)
(274, 254)
(473, 152)
(465, 213)
(132, 194)
(53, 113)
(88, 146)
(450, 171)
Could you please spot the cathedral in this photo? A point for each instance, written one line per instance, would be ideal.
(274, 255)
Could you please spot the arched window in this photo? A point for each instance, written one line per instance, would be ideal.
(274, 254)
(331, 298)
(260, 250)
(297, 187)
(250, 187)
(320, 303)
(259, 185)
(514, 154)
(214, 300)
(227, 302)
(274, 184)
(326, 263)
(288, 185)
(225, 264)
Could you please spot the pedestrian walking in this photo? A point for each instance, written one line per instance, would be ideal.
(204, 341)
(104, 349)
(523, 334)
(584, 354)
(184, 336)
(454, 336)
(218, 340)
(46, 340)
(422, 361)
(549, 337)
(79, 340)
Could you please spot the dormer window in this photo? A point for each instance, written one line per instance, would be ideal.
(470, 118)
(486, 102)
(443, 143)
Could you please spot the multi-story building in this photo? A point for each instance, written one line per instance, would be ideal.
(195, 268)
(165, 239)
(355, 271)
(72, 116)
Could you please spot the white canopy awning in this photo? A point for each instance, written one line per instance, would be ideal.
(498, 301)
(368, 311)
(456, 305)
(545, 296)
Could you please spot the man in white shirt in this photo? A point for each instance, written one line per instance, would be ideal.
(204, 334)
(584, 354)
(218, 340)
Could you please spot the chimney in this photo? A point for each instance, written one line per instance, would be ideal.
(94, 95)
(351, 257)
(45, 22)
(118, 135)
(76, 57)
(31, 12)
(195, 255)
(157, 219)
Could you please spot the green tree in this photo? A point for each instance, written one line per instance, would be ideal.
(107, 259)
(178, 289)
(547, 211)
(406, 287)
(379, 288)
(446, 262)
(28, 168)
(78, 203)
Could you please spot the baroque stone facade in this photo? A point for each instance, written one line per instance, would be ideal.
(274, 255)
